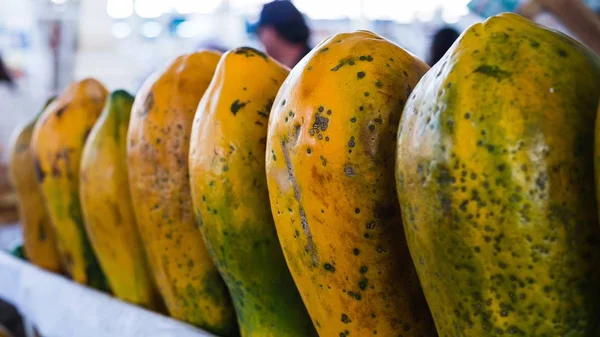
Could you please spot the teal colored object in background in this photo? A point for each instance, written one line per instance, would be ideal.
(487, 8)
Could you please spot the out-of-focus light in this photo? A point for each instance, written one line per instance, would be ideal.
(151, 29)
(196, 6)
(119, 9)
(150, 9)
(120, 30)
(452, 15)
(186, 29)
(329, 9)
(59, 2)
(425, 15)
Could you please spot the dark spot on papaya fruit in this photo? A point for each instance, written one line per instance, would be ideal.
(357, 210)
(351, 142)
(148, 104)
(360, 74)
(492, 71)
(283, 102)
(371, 127)
(319, 136)
(323, 50)
(362, 284)
(321, 108)
(467, 115)
(361, 108)
(378, 84)
(343, 62)
(367, 235)
(329, 267)
(353, 119)
(363, 269)
(40, 175)
(236, 106)
(562, 53)
(326, 139)
(345, 319)
(310, 68)
(264, 113)
(356, 251)
(367, 94)
(42, 235)
(534, 44)
(356, 296)
(308, 150)
(250, 52)
(371, 225)
(61, 110)
(349, 171)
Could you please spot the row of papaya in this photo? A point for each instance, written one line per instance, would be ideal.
(361, 194)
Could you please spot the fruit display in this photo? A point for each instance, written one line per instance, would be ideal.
(157, 151)
(229, 190)
(107, 209)
(360, 193)
(495, 171)
(57, 142)
(39, 238)
(330, 171)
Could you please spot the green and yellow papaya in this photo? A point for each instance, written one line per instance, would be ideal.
(57, 142)
(330, 173)
(39, 239)
(229, 192)
(106, 204)
(157, 150)
(494, 168)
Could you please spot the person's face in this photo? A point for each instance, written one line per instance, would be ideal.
(270, 39)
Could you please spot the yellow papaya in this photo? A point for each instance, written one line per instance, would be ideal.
(39, 239)
(494, 173)
(330, 173)
(106, 204)
(229, 190)
(157, 150)
(57, 143)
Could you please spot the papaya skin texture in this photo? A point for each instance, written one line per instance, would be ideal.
(157, 150)
(39, 239)
(57, 142)
(330, 173)
(494, 171)
(229, 190)
(107, 209)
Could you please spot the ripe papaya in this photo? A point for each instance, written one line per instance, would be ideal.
(57, 143)
(229, 190)
(106, 204)
(157, 150)
(494, 168)
(39, 239)
(330, 174)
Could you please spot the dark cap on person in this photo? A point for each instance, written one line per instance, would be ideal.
(286, 19)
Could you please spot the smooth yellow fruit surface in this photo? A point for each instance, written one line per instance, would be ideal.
(107, 209)
(39, 239)
(229, 189)
(157, 150)
(57, 142)
(330, 173)
(495, 173)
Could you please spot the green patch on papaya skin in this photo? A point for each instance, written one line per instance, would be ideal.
(237, 106)
(93, 272)
(493, 71)
(250, 52)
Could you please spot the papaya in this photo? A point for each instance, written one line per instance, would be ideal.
(330, 174)
(229, 194)
(495, 161)
(57, 142)
(106, 204)
(39, 239)
(158, 143)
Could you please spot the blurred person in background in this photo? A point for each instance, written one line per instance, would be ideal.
(441, 42)
(283, 31)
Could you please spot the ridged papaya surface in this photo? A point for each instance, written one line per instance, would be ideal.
(330, 172)
(157, 150)
(229, 191)
(495, 167)
(39, 239)
(57, 142)
(107, 209)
